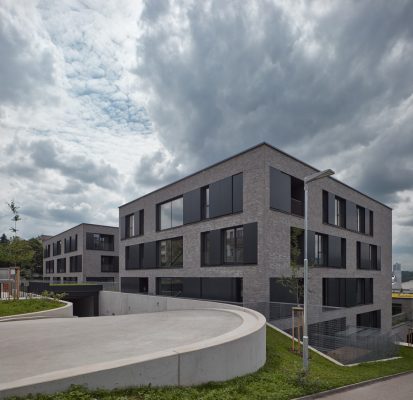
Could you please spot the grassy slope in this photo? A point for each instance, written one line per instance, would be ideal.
(14, 307)
(278, 379)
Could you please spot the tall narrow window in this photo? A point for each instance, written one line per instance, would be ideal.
(130, 226)
(320, 252)
(371, 223)
(361, 219)
(234, 246)
(141, 222)
(206, 248)
(340, 215)
(205, 202)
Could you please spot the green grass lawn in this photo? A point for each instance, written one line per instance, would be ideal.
(280, 378)
(23, 306)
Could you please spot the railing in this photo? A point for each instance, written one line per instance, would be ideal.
(399, 318)
(330, 334)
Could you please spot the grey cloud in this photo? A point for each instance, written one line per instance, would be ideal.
(244, 77)
(154, 9)
(24, 72)
(45, 155)
(155, 170)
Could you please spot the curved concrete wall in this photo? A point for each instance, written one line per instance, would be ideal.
(237, 352)
(66, 311)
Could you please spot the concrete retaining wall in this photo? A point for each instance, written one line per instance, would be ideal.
(237, 352)
(66, 311)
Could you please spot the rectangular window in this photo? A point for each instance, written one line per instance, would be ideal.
(129, 226)
(361, 218)
(368, 256)
(205, 202)
(234, 245)
(47, 251)
(76, 263)
(69, 279)
(370, 319)
(347, 292)
(371, 223)
(50, 267)
(320, 249)
(61, 265)
(170, 253)
(109, 264)
(340, 212)
(206, 248)
(141, 222)
(99, 241)
(71, 244)
(57, 248)
(170, 214)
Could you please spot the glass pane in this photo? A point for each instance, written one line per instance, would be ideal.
(165, 253)
(207, 202)
(165, 216)
(176, 286)
(207, 251)
(240, 245)
(176, 252)
(229, 246)
(177, 212)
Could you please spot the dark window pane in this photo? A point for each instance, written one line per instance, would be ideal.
(239, 247)
(165, 216)
(164, 253)
(176, 252)
(229, 246)
(177, 212)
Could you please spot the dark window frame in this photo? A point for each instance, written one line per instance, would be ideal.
(170, 257)
(158, 214)
(236, 239)
(205, 202)
(61, 269)
(98, 242)
(113, 266)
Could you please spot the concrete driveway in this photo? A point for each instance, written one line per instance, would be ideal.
(399, 388)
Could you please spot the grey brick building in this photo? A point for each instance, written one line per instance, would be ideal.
(224, 233)
(84, 253)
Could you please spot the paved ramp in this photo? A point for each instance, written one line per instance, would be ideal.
(162, 348)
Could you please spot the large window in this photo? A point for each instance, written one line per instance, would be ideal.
(109, 264)
(76, 263)
(221, 289)
(170, 253)
(61, 265)
(347, 292)
(170, 214)
(98, 241)
(71, 244)
(320, 249)
(368, 256)
(50, 267)
(340, 212)
(370, 319)
(57, 248)
(234, 245)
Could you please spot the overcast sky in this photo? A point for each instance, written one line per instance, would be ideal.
(102, 101)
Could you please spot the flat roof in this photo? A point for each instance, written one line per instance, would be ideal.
(76, 226)
(241, 153)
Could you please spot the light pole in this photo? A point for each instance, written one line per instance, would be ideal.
(307, 180)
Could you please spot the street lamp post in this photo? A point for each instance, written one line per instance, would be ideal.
(307, 180)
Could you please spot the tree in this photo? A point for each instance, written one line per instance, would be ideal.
(294, 281)
(16, 216)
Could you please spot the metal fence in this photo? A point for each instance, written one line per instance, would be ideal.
(329, 332)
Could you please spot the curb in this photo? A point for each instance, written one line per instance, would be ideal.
(346, 388)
